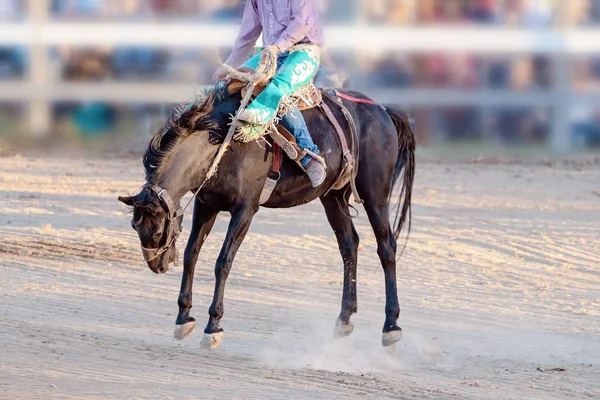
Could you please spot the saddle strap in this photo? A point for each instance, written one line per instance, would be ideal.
(277, 158)
(338, 129)
(289, 144)
(351, 161)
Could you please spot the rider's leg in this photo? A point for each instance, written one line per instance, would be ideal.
(221, 88)
(296, 69)
(299, 69)
(294, 122)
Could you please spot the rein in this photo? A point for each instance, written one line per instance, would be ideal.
(265, 71)
(167, 203)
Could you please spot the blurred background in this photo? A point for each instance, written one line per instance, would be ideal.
(516, 73)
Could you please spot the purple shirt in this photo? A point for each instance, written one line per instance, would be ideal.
(283, 23)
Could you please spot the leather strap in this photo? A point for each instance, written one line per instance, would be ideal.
(286, 134)
(351, 156)
(277, 159)
(338, 129)
(168, 202)
(292, 140)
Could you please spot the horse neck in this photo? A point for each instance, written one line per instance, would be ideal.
(187, 165)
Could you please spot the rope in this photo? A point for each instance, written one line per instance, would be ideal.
(265, 71)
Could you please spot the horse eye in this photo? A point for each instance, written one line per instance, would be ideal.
(157, 236)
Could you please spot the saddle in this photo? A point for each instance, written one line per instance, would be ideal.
(306, 98)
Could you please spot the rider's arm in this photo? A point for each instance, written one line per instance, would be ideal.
(304, 18)
(247, 37)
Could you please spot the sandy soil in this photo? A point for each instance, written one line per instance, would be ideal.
(500, 289)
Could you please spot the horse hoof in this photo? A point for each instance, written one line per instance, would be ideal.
(392, 337)
(342, 329)
(185, 330)
(212, 340)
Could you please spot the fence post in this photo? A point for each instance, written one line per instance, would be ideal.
(560, 140)
(39, 107)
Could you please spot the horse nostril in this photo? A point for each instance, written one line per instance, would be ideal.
(162, 269)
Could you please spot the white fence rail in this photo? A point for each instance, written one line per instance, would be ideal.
(478, 39)
(39, 34)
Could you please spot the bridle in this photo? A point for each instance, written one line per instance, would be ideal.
(173, 226)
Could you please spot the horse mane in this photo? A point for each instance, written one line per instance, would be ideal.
(178, 127)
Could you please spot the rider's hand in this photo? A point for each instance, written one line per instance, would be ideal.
(220, 75)
(272, 49)
(268, 61)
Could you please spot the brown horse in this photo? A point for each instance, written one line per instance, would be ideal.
(180, 154)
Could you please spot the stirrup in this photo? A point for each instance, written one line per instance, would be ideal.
(268, 188)
(317, 158)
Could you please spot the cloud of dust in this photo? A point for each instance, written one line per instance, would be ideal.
(311, 345)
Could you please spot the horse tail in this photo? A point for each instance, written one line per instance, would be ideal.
(406, 163)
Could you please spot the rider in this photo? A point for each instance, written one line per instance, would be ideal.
(292, 30)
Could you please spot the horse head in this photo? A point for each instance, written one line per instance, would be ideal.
(157, 224)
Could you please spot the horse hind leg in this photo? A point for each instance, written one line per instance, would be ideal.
(336, 209)
(386, 250)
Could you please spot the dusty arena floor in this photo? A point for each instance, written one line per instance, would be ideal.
(499, 285)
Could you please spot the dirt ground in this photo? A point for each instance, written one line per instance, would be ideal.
(499, 285)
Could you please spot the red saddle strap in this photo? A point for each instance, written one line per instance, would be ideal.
(354, 99)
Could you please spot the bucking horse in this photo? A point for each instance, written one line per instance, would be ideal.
(179, 157)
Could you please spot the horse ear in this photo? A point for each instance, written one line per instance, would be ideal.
(127, 200)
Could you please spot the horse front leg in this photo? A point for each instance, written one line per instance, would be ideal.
(202, 223)
(241, 217)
